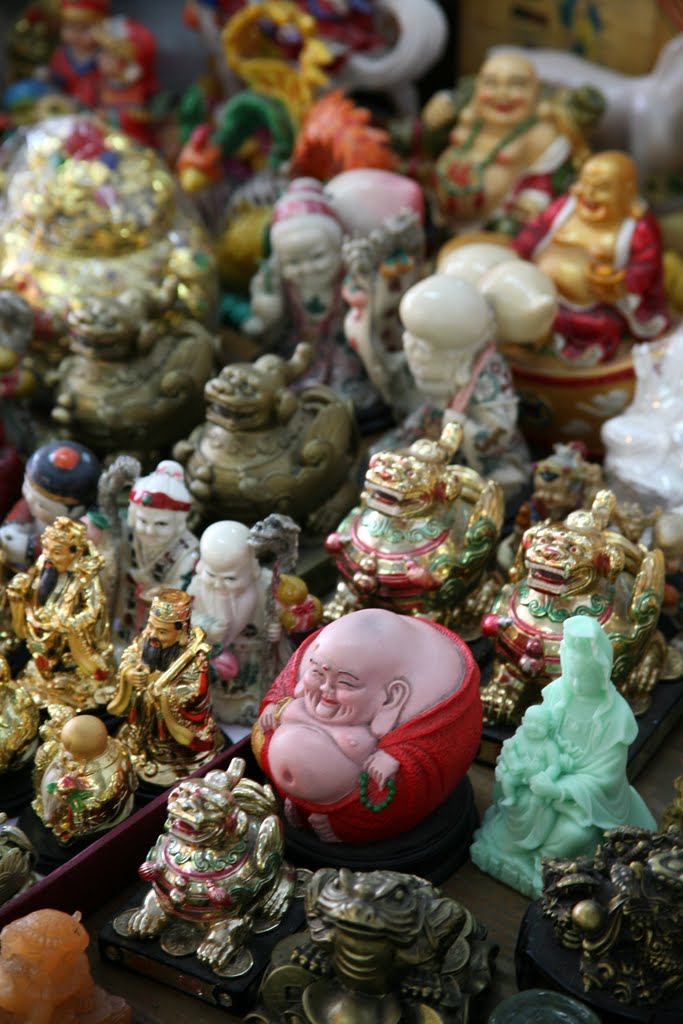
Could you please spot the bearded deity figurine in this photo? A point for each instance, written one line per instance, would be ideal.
(247, 610)
(298, 291)
(510, 152)
(163, 690)
(59, 608)
(157, 549)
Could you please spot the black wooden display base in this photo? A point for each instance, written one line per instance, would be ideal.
(187, 973)
(51, 853)
(541, 962)
(434, 849)
(653, 726)
(17, 790)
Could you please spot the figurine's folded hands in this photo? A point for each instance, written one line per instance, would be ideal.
(381, 767)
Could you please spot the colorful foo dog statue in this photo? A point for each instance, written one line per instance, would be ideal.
(266, 448)
(227, 824)
(574, 567)
(422, 537)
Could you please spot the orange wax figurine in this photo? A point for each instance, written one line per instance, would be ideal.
(45, 975)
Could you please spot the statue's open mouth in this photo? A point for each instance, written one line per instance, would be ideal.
(542, 577)
(382, 499)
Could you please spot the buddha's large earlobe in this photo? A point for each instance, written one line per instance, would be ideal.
(387, 717)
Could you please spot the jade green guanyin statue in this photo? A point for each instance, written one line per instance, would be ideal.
(561, 779)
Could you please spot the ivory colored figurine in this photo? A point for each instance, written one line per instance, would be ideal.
(88, 784)
(561, 779)
(45, 975)
(452, 331)
(369, 712)
(643, 443)
(157, 548)
(247, 609)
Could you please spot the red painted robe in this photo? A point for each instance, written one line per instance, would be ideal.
(434, 751)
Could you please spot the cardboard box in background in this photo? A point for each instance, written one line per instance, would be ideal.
(625, 35)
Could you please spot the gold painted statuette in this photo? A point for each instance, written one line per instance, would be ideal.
(217, 872)
(59, 607)
(85, 782)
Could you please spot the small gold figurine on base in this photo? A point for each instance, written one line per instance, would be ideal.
(59, 607)
(87, 786)
(163, 688)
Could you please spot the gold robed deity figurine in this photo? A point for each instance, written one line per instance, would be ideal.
(59, 608)
(163, 689)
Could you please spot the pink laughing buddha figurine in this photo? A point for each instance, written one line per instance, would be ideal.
(370, 726)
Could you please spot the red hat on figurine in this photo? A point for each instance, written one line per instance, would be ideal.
(164, 488)
(305, 199)
(84, 10)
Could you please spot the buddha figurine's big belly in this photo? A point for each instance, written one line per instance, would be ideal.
(568, 267)
(305, 762)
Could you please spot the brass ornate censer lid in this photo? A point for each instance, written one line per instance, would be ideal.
(90, 212)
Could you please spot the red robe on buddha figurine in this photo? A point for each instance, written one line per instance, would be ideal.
(602, 248)
(370, 726)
